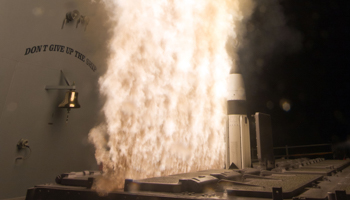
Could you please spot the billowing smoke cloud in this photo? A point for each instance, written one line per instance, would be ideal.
(165, 87)
(267, 38)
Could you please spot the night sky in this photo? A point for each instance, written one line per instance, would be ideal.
(296, 51)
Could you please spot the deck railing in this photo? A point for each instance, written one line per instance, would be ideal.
(287, 150)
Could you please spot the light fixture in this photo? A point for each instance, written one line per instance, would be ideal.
(71, 98)
(70, 16)
(84, 20)
(23, 144)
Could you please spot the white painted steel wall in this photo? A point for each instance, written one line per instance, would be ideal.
(27, 110)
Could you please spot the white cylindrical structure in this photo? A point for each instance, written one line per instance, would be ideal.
(238, 136)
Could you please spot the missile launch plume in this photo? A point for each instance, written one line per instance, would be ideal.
(165, 87)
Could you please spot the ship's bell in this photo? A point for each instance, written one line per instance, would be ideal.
(70, 100)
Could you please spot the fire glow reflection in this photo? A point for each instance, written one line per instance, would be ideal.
(165, 88)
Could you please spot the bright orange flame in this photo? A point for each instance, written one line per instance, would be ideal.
(165, 88)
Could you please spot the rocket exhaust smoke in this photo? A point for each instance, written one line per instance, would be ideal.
(165, 87)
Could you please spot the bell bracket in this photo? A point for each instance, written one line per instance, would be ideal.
(60, 87)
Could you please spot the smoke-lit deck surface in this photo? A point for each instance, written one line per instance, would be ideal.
(307, 181)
